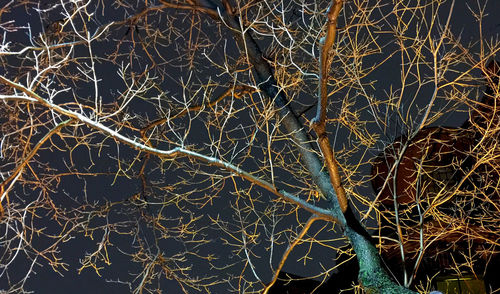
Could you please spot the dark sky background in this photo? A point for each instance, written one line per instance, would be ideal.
(97, 188)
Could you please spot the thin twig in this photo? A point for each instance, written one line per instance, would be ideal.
(287, 252)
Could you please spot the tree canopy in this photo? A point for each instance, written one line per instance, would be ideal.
(206, 146)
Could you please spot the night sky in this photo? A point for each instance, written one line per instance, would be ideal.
(106, 187)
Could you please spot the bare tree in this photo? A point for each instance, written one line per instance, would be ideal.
(206, 142)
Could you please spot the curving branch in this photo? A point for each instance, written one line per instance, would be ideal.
(287, 252)
(172, 153)
(4, 190)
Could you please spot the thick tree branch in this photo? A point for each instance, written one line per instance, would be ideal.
(325, 61)
(319, 122)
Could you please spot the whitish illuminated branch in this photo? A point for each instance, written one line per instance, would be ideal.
(172, 153)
